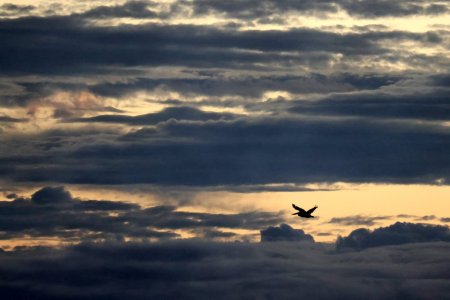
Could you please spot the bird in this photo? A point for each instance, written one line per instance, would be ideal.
(303, 213)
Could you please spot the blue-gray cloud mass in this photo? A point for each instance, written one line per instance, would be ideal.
(238, 96)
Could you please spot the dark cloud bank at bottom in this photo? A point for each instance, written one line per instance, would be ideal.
(194, 269)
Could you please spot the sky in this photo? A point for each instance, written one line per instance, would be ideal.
(177, 134)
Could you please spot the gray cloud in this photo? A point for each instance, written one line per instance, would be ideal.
(433, 105)
(358, 220)
(253, 10)
(51, 195)
(6, 119)
(53, 212)
(175, 45)
(261, 10)
(284, 232)
(426, 218)
(253, 86)
(246, 151)
(130, 9)
(383, 8)
(11, 10)
(396, 234)
(202, 270)
(175, 113)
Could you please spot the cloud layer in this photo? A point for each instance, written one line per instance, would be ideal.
(52, 213)
(194, 269)
(396, 234)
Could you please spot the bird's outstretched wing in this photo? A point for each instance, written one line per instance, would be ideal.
(298, 208)
(312, 209)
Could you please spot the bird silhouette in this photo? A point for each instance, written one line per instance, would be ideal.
(303, 213)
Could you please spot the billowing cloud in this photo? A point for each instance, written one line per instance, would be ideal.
(284, 232)
(396, 234)
(51, 195)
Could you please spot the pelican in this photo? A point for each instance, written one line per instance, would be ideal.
(303, 213)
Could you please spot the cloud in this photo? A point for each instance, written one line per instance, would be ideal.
(284, 232)
(6, 119)
(175, 113)
(11, 10)
(432, 105)
(396, 234)
(52, 212)
(383, 8)
(196, 269)
(262, 10)
(249, 86)
(251, 10)
(426, 218)
(12, 196)
(172, 45)
(51, 195)
(358, 220)
(130, 9)
(244, 151)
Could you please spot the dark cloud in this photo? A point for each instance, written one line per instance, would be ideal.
(253, 10)
(384, 8)
(192, 269)
(358, 220)
(51, 195)
(90, 49)
(10, 9)
(12, 196)
(249, 86)
(396, 234)
(130, 9)
(212, 234)
(53, 212)
(426, 218)
(247, 151)
(284, 232)
(425, 106)
(6, 119)
(175, 113)
(262, 10)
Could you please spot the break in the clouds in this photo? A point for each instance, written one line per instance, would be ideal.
(52, 212)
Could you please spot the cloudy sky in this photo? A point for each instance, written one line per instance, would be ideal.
(177, 134)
